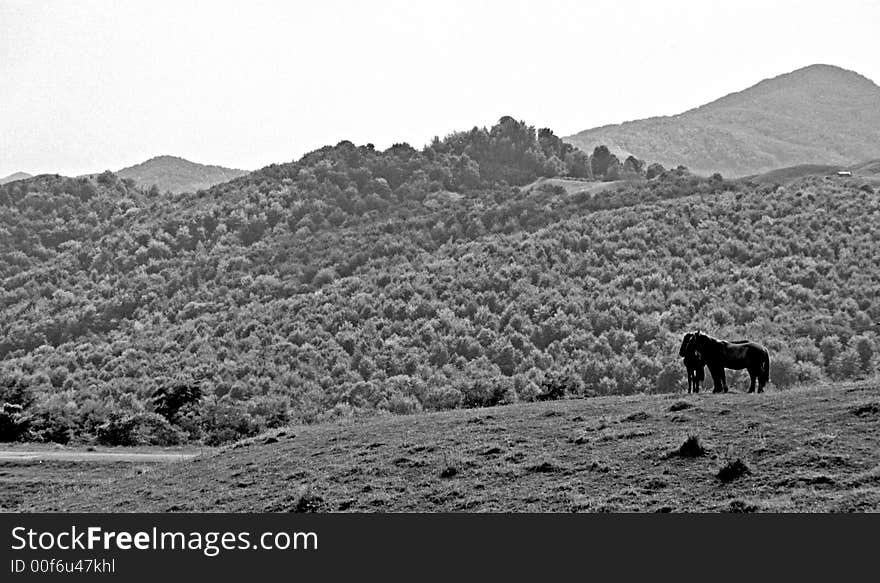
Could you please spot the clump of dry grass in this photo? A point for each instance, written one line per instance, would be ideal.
(308, 501)
(679, 406)
(738, 506)
(691, 448)
(544, 467)
(448, 472)
(733, 471)
(449, 467)
(866, 409)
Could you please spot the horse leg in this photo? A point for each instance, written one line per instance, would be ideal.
(717, 382)
(724, 380)
(763, 372)
(751, 381)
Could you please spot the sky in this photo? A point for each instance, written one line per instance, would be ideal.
(87, 86)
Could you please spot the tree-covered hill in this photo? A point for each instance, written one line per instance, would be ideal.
(355, 281)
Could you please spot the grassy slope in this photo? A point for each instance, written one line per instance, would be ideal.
(812, 449)
(573, 186)
(866, 170)
(791, 173)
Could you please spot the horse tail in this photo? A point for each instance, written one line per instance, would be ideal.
(764, 373)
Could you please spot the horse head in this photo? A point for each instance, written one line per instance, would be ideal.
(693, 342)
(684, 343)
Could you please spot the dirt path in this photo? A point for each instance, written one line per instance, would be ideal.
(90, 456)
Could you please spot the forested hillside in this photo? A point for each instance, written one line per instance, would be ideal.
(355, 281)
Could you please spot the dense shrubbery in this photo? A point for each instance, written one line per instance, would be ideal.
(360, 282)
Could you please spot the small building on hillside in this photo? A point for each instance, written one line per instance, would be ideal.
(844, 173)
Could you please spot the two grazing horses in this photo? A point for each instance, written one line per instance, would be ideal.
(699, 349)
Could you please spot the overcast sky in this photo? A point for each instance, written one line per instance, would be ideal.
(89, 86)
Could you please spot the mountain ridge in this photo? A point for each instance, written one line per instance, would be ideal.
(176, 174)
(819, 114)
(15, 176)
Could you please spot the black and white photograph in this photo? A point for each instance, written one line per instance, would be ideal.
(439, 257)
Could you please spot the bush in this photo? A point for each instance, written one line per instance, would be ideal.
(168, 401)
(526, 389)
(407, 386)
(403, 405)
(14, 391)
(655, 170)
(13, 422)
(808, 372)
(845, 365)
(558, 385)
(53, 425)
(324, 276)
(865, 348)
(830, 347)
(441, 398)
(269, 411)
(671, 378)
(783, 371)
(224, 420)
(137, 429)
(485, 392)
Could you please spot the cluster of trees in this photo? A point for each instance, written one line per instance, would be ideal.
(512, 153)
(362, 282)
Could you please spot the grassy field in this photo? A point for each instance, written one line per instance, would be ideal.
(29, 470)
(808, 449)
(792, 173)
(573, 186)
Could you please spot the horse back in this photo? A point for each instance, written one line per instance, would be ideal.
(745, 354)
(744, 344)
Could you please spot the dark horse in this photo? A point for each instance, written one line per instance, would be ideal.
(721, 354)
(696, 370)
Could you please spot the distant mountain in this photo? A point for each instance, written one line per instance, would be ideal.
(820, 114)
(869, 168)
(170, 173)
(14, 177)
